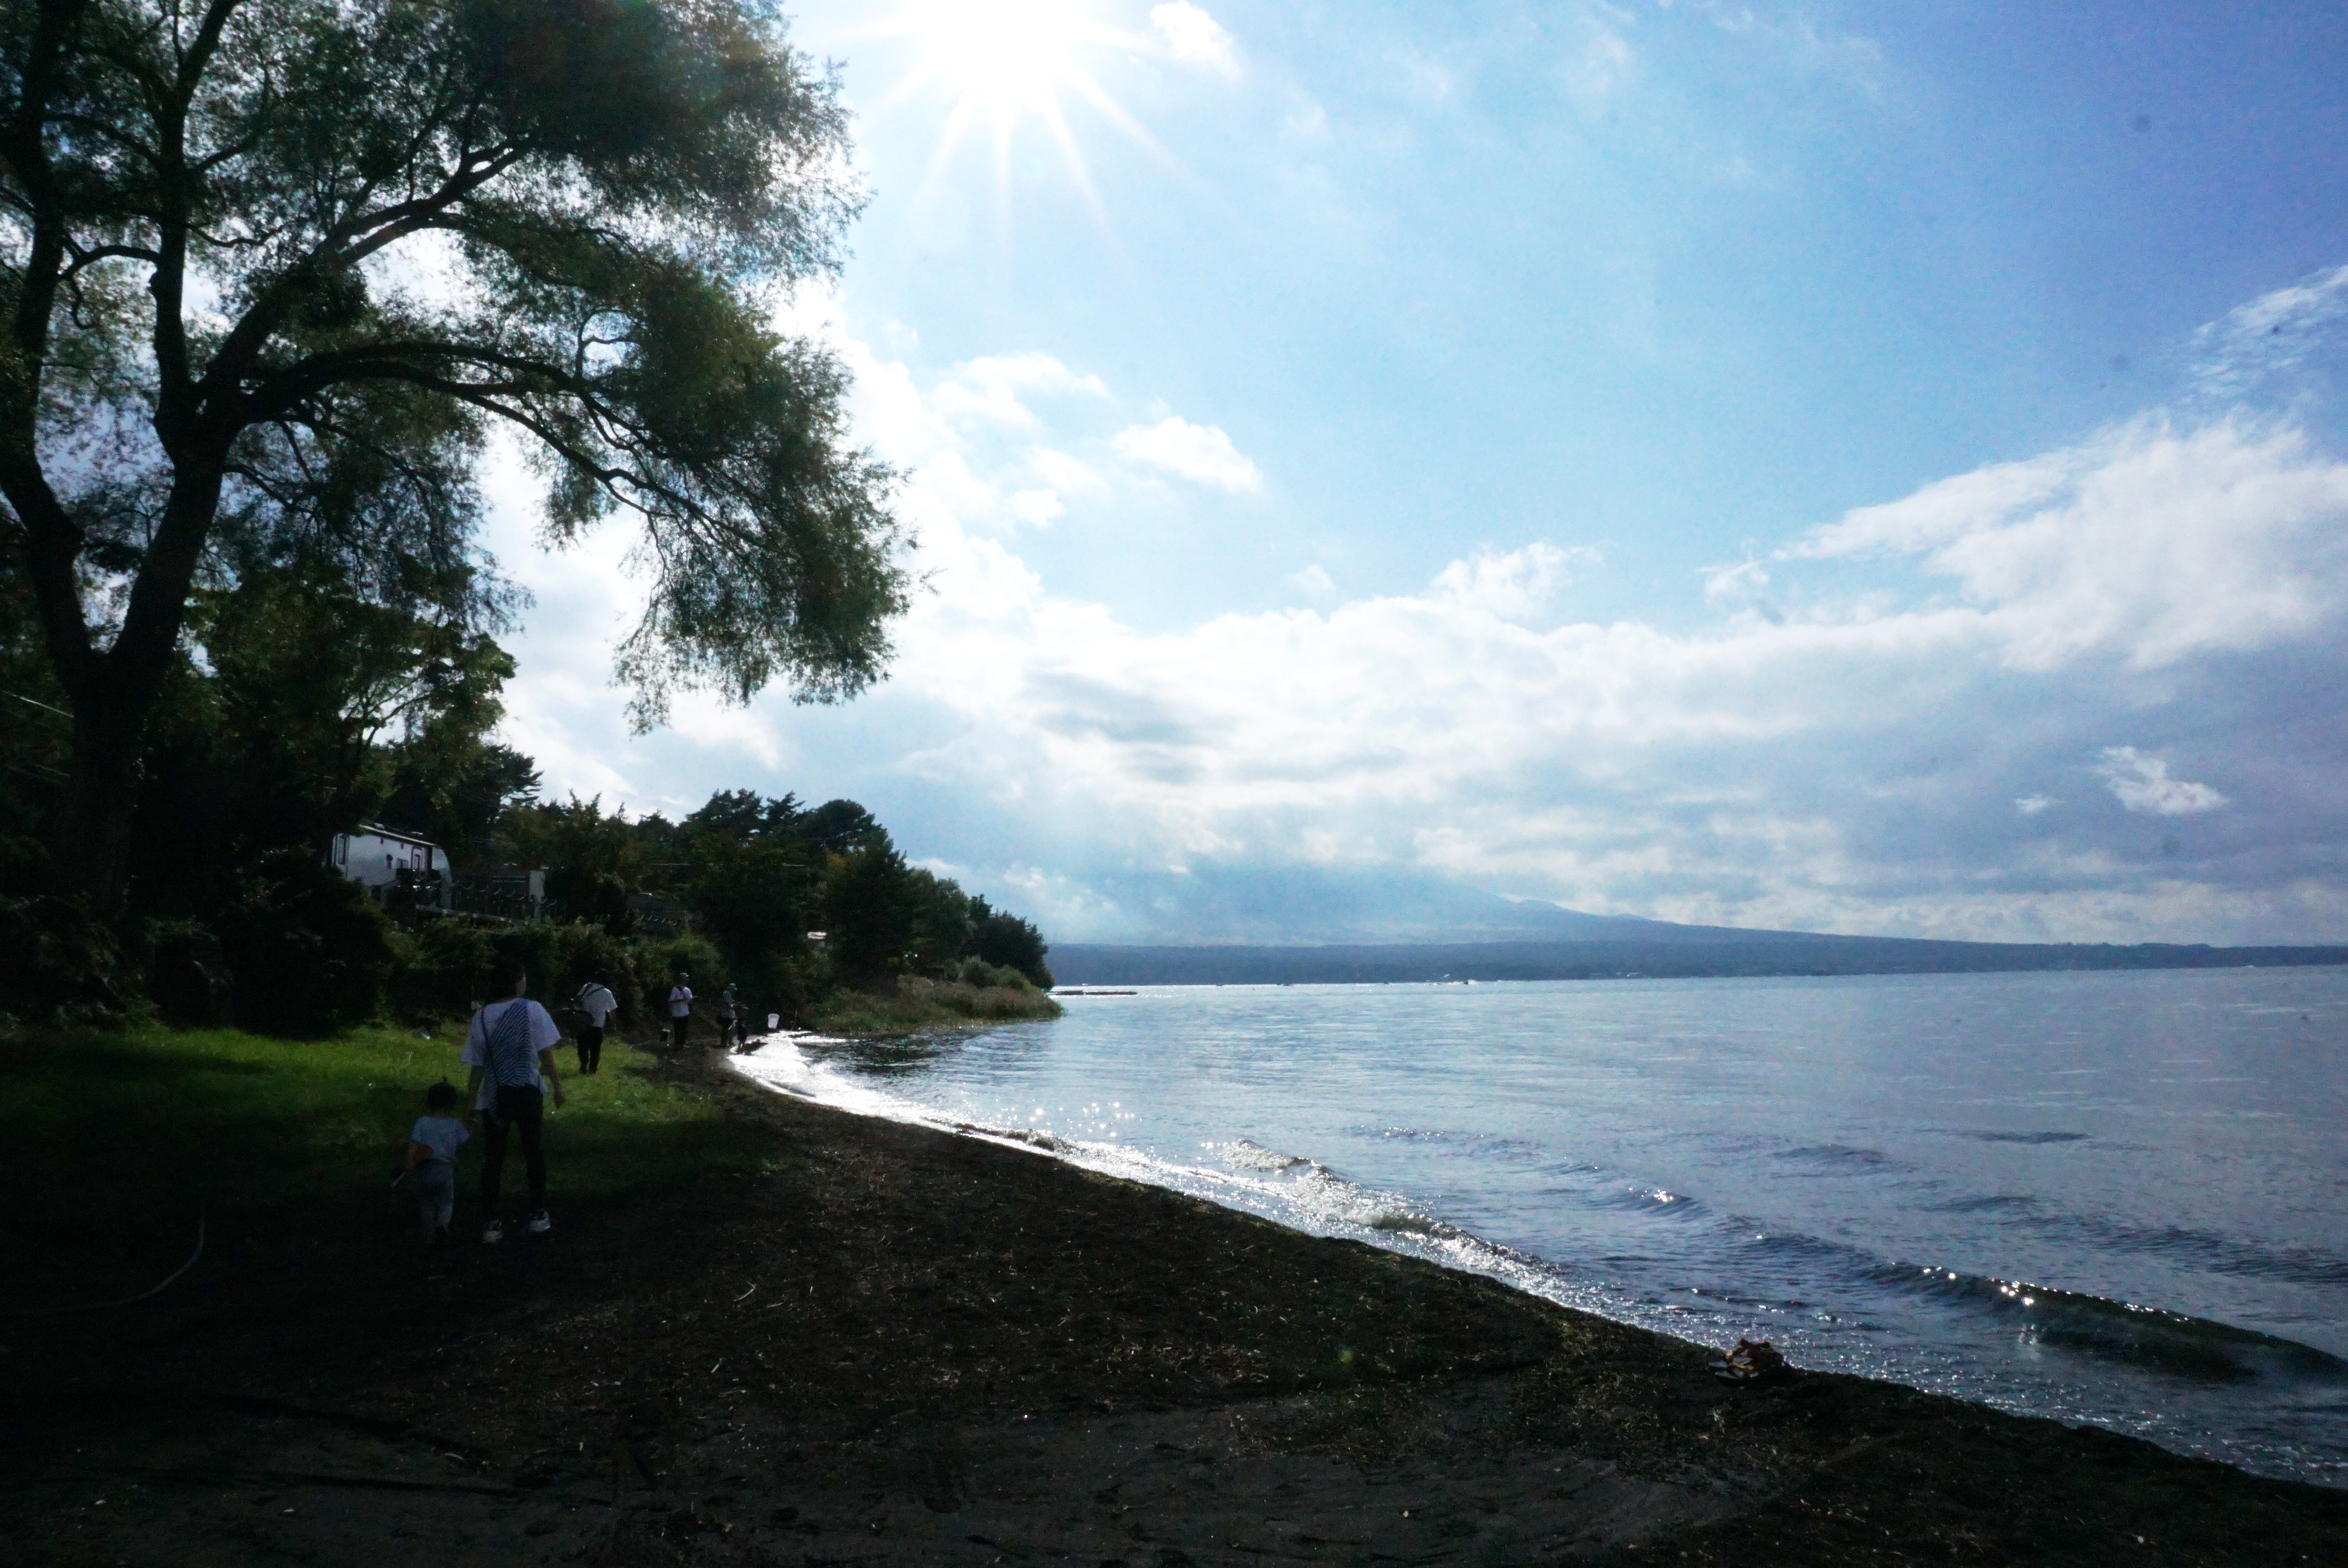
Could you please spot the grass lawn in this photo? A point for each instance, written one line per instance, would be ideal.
(148, 1126)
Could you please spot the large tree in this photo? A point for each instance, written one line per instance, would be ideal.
(271, 272)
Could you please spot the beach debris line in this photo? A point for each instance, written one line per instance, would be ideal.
(1753, 1361)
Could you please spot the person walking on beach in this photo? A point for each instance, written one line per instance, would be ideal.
(511, 1049)
(679, 1010)
(596, 1004)
(730, 1016)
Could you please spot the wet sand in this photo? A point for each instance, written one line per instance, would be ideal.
(888, 1344)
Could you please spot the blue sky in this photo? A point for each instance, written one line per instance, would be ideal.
(1863, 468)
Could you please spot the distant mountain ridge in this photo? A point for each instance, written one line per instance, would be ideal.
(1598, 947)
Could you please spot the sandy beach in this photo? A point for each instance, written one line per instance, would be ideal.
(879, 1343)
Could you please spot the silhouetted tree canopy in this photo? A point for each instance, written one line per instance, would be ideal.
(272, 272)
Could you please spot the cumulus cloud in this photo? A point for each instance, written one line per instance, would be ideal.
(1878, 761)
(1314, 582)
(1201, 453)
(2149, 541)
(1195, 38)
(990, 390)
(1512, 585)
(2142, 783)
(1739, 581)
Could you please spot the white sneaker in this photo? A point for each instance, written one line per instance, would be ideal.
(539, 1223)
(494, 1232)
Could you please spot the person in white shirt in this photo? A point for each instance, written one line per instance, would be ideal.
(679, 1010)
(511, 1049)
(596, 1004)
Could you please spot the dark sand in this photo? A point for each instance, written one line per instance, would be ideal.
(896, 1345)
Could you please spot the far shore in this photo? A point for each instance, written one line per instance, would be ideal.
(767, 1332)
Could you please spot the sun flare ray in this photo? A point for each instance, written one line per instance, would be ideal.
(1005, 64)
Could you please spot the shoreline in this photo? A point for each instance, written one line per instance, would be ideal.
(2214, 1350)
(861, 1340)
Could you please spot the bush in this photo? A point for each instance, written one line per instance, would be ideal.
(585, 951)
(56, 963)
(309, 952)
(187, 975)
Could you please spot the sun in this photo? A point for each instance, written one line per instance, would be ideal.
(1002, 64)
(1007, 58)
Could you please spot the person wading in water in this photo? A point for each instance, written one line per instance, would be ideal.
(511, 1049)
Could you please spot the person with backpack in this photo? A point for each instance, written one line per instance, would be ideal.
(596, 1004)
(511, 1049)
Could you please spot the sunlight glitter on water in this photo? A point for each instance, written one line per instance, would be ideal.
(1982, 1207)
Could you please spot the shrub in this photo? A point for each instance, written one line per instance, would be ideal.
(187, 975)
(56, 963)
(585, 951)
(309, 952)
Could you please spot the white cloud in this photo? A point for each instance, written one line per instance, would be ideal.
(1738, 581)
(2147, 542)
(1875, 762)
(1511, 586)
(2142, 784)
(2271, 335)
(1314, 582)
(1605, 64)
(1195, 38)
(988, 390)
(1036, 509)
(1068, 475)
(1201, 453)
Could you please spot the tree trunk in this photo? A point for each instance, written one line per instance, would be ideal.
(116, 692)
(94, 854)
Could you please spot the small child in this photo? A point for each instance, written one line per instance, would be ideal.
(431, 1160)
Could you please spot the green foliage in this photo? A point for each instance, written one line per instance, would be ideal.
(592, 861)
(210, 373)
(315, 704)
(310, 953)
(659, 962)
(871, 913)
(918, 1004)
(456, 793)
(56, 963)
(1010, 942)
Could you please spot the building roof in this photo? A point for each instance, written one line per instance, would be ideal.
(377, 830)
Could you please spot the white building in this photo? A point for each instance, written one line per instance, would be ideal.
(373, 856)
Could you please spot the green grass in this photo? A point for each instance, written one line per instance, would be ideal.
(919, 1005)
(111, 1127)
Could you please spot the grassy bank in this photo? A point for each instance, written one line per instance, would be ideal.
(123, 1127)
(765, 1332)
(917, 1005)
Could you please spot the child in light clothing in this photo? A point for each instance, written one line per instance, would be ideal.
(431, 1162)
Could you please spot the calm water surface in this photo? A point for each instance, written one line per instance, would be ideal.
(2103, 1197)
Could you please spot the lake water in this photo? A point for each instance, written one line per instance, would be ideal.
(2114, 1198)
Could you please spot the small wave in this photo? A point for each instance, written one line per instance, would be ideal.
(1246, 1154)
(2026, 1137)
(1839, 1156)
(1987, 1204)
(2198, 1349)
